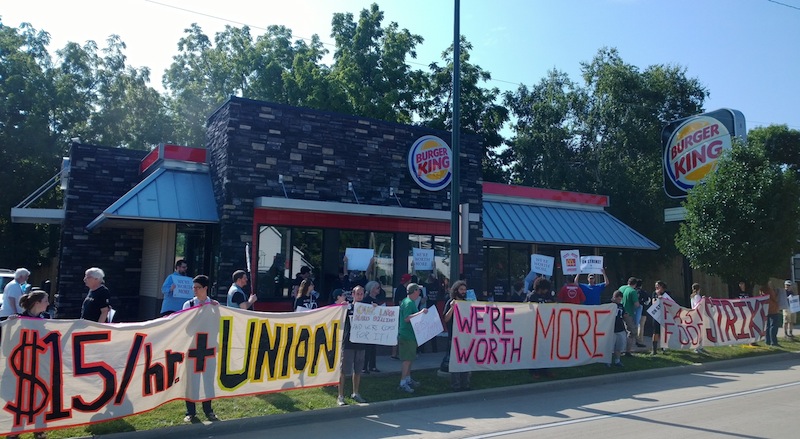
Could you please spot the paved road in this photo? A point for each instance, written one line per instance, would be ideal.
(745, 398)
(754, 401)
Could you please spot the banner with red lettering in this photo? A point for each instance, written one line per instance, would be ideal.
(715, 322)
(503, 336)
(61, 373)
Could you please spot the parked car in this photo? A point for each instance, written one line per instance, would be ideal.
(6, 276)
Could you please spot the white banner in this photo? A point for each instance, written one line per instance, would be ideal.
(592, 264)
(570, 261)
(542, 264)
(374, 324)
(504, 336)
(427, 325)
(423, 259)
(63, 373)
(715, 322)
(358, 258)
(183, 286)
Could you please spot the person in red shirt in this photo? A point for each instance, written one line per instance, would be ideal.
(571, 293)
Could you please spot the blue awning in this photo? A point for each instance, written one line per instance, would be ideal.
(504, 221)
(166, 195)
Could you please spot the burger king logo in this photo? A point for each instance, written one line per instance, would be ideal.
(429, 162)
(693, 149)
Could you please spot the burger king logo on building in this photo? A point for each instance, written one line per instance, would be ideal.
(693, 150)
(430, 163)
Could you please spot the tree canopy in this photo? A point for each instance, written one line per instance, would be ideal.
(741, 222)
(599, 133)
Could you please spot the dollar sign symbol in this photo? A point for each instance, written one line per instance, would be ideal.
(32, 393)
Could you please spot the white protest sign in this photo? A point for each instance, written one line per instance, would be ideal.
(570, 259)
(427, 325)
(358, 258)
(374, 324)
(655, 311)
(794, 303)
(783, 302)
(183, 286)
(592, 264)
(542, 264)
(423, 258)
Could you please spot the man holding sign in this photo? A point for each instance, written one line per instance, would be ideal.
(406, 340)
(173, 301)
(593, 290)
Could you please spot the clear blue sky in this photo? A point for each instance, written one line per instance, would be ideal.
(746, 52)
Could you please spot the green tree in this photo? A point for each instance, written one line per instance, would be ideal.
(781, 144)
(741, 223)
(371, 68)
(481, 114)
(28, 149)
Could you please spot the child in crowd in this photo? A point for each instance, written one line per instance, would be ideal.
(620, 334)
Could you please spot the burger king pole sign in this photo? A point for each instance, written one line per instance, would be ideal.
(430, 162)
(693, 145)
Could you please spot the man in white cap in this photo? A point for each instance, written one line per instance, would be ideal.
(789, 318)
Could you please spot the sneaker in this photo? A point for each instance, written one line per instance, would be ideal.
(212, 417)
(619, 364)
(190, 419)
(414, 383)
(628, 354)
(357, 398)
(340, 401)
(365, 371)
(641, 345)
(405, 388)
(374, 369)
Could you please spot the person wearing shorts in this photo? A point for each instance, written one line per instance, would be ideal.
(352, 353)
(620, 333)
(789, 317)
(406, 340)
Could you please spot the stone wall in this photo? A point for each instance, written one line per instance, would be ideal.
(251, 143)
(98, 177)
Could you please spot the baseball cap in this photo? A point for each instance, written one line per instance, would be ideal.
(405, 278)
(788, 282)
(336, 293)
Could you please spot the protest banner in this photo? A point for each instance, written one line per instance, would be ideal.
(374, 324)
(570, 261)
(505, 336)
(592, 264)
(733, 321)
(358, 258)
(682, 328)
(427, 325)
(542, 264)
(62, 373)
(423, 259)
(183, 286)
(714, 322)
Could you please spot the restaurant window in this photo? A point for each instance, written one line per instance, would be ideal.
(274, 277)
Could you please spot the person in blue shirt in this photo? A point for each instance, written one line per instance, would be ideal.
(170, 304)
(592, 290)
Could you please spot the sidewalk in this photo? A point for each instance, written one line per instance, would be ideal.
(432, 361)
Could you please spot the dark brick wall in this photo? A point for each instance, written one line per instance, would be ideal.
(98, 177)
(251, 142)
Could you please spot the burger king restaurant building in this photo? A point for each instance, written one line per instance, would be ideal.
(280, 187)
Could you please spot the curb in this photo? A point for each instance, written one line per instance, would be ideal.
(361, 410)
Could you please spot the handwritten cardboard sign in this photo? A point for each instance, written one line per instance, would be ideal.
(423, 259)
(183, 286)
(427, 325)
(592, 264)
(374, 324)
(542, 264)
